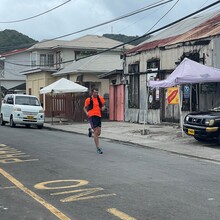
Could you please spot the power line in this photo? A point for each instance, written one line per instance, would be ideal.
(25, 19)
(115, 19)
(152, 32)
(163, 16)
(145, 35)
(148, 7)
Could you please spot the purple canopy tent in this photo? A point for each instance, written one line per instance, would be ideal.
(187, 72)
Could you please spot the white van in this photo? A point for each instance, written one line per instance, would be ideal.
(22, 109)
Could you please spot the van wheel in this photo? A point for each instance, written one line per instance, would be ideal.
(2, 122)
(12, 124)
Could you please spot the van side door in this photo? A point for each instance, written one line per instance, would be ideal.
(9, 107)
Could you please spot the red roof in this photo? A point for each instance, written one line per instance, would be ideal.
(13, 52)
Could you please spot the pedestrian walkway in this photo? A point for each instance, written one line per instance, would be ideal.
(167, 137)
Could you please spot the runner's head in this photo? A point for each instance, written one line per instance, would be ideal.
(95, 92)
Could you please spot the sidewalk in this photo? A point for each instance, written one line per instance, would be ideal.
(164, 137)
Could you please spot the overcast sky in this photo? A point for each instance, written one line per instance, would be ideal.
(79, 14)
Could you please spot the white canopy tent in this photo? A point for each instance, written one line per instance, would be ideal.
(187, 72)
(62, 86)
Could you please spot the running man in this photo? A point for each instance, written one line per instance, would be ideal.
(93, 107)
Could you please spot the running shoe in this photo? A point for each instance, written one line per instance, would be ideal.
(99, 151)
(90, 132)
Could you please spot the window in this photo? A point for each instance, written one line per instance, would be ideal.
(27, 100)
(43, 59)
(33, 59)
(10, 100)
(133, 89)
(58, 60)
(153, 64)
(133, 68)
(85, 53)
(50, 60)
(47, 60)
(153, 67)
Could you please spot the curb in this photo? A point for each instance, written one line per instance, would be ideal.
(139, 145)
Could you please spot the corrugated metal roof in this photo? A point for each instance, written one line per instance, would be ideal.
(197, 27)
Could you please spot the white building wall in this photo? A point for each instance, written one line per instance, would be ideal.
(11, 74)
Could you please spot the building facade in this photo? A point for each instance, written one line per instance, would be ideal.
(198, 39)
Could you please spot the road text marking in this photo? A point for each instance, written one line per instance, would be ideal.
(47, 205)
(11, 155)
(80, 194)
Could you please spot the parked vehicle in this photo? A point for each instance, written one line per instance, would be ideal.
(22, 109)
(203, 125)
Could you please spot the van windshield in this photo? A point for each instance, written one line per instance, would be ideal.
(26, 100)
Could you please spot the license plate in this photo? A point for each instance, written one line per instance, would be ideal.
(30, 117)
(191, 131)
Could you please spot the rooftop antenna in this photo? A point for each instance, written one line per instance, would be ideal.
(112, 29)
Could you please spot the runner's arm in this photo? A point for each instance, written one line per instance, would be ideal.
(85, 108)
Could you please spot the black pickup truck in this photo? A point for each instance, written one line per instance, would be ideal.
(203, 125)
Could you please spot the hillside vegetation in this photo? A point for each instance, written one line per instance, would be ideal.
(11, 40)
(125, 38)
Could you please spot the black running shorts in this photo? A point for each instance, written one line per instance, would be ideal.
(95, 121)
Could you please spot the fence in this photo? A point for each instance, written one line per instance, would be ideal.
(68, 106)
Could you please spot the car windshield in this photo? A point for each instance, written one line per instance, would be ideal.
(23, 100)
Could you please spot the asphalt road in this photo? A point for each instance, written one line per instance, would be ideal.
(46, 175)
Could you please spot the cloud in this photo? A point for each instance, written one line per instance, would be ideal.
(80, 14)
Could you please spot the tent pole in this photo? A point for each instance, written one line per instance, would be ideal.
(146, 111)
(180, 109)
(51, 101)
(190, 100)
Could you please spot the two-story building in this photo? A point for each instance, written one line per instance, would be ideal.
(80, 60)
(74, 60)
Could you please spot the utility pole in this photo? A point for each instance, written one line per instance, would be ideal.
(1, 89)
(1, 76)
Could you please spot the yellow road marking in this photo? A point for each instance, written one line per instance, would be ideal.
(82, 194)
(120, 214)
(47, 205)
(78, 184)
(8, 187)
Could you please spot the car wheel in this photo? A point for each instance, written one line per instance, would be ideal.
(2, 122)
(39, 126)
(200, 139)
(12, 124)
(219, 139)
